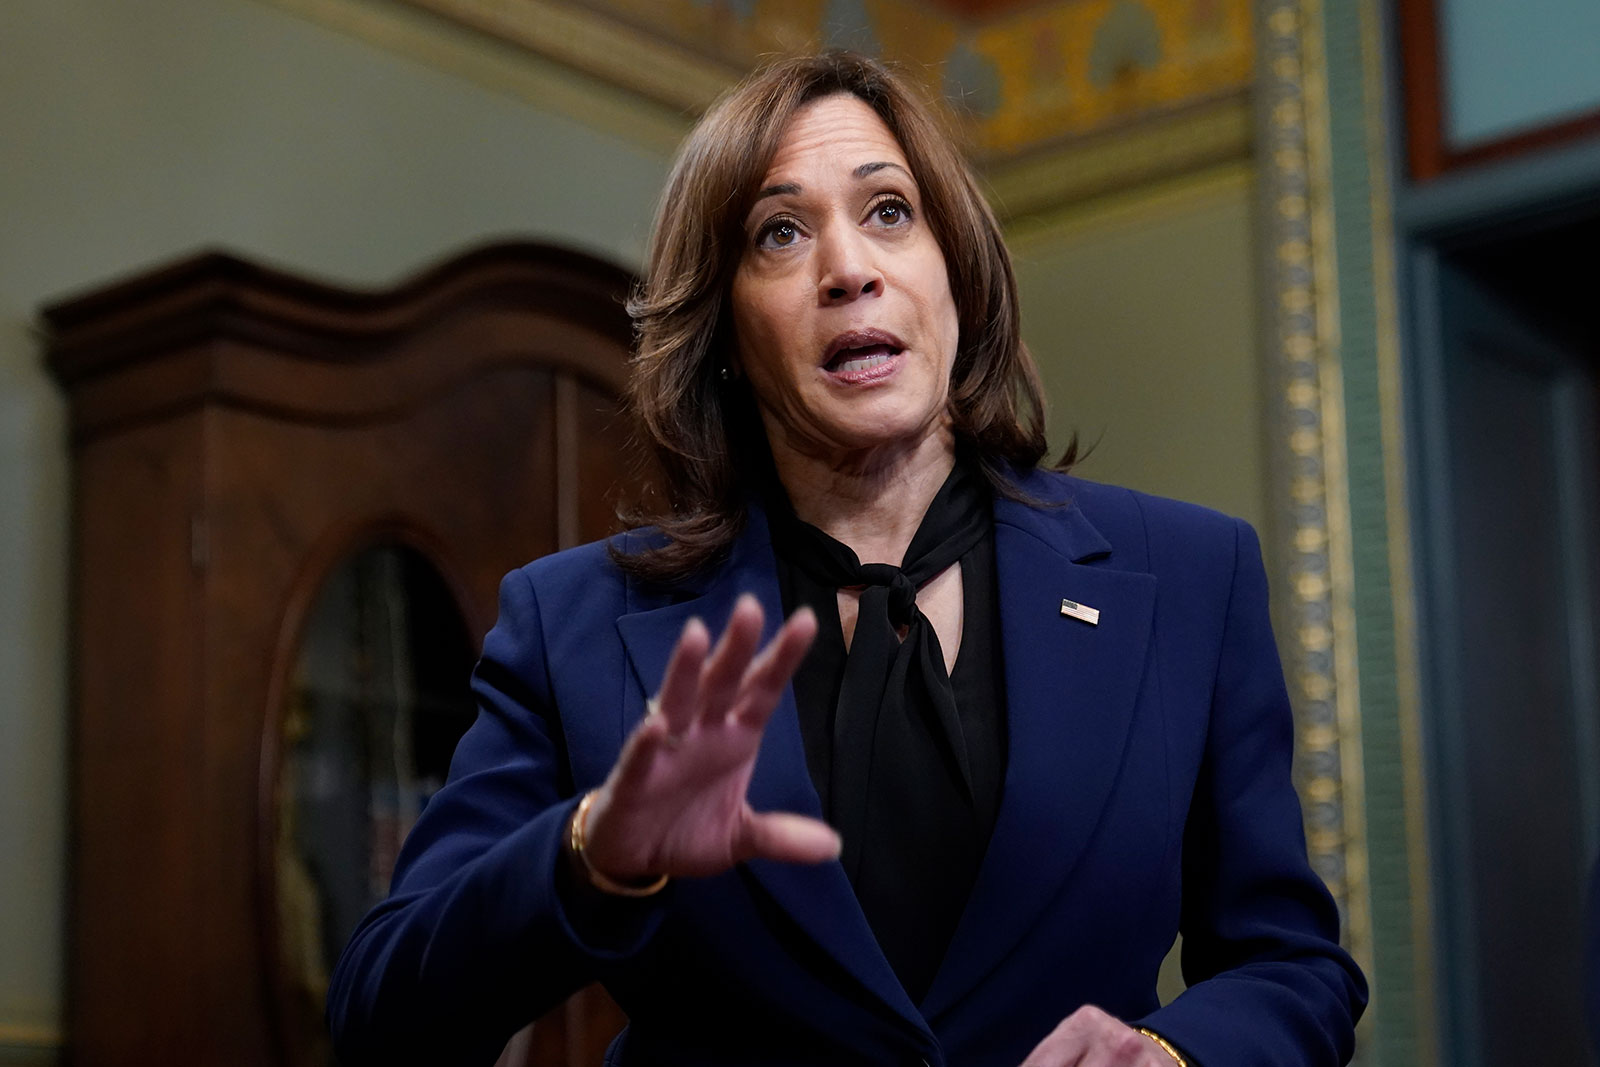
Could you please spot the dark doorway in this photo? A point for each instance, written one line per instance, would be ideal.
(1507, 399)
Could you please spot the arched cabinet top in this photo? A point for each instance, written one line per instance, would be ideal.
(216, 329)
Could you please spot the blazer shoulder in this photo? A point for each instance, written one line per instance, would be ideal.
(586, 575)
(1144, 530)
(573, 567)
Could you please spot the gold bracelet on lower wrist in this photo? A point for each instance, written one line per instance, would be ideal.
(1165, 1046)
(577, 838)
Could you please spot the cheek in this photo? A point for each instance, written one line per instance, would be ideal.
(755, 355)
(948, 323)
(764, 335)
(941, 312)
(749, 328)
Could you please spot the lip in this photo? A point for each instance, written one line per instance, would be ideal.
(867, 338)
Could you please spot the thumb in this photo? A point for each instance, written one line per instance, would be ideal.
(788, 838)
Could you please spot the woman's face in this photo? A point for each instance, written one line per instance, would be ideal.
(842, 311)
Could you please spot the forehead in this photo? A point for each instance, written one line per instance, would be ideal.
(837, 132)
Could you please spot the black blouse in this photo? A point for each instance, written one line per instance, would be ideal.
(926, 832)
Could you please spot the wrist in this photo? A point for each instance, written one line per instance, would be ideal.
(1165, 1046)
(577, 838)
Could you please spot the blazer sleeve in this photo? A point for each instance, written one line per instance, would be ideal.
(1268, 983)
(482, 930)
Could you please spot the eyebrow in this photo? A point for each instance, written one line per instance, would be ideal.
(781, 189)
(868, 169)
(864, 171)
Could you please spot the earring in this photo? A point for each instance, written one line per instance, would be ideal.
(725, 373)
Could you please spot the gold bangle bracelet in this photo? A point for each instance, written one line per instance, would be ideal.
(1165, 1047)
(577, 838)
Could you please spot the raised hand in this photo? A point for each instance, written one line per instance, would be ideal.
(674, 803)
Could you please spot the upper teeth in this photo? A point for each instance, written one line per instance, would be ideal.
(864, 361)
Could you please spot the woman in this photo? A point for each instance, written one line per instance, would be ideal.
(1042, 731)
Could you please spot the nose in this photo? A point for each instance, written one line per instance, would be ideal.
(848, 267)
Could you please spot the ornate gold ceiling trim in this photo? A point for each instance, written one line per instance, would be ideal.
(1046, 75)
(1215, 133)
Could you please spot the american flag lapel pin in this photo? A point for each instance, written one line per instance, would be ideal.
(1081, 612)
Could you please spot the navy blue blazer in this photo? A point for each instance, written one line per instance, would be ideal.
(1147, 792)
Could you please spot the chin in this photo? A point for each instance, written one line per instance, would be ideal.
(877, 437)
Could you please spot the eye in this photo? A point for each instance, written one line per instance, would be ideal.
(890, 211)
(778, 233)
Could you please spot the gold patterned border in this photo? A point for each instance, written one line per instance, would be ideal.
(1298, 155)
(1324, 676)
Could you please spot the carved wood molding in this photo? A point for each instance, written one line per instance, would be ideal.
(217, 329)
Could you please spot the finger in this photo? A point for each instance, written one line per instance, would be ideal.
(1091, 1037)
(719, 678)
(678, 697)
(1062, 1047)
(634, 763)
(675, 704)
(764, 682)
(1055, 1052)
(788, 839)
(1049, 1053)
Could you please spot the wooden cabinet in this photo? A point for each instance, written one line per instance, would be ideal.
(237, 434)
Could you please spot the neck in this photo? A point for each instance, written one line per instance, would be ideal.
(873, 503)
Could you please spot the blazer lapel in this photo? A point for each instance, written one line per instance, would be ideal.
(1070, 694)
(817, 897)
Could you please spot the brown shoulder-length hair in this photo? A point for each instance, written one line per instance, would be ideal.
(700, 426)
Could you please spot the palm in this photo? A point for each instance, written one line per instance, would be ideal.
(675, 801)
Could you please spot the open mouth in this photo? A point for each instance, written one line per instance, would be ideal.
(853, 360)
(861, 353)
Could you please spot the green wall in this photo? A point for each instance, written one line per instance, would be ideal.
(1140, 310)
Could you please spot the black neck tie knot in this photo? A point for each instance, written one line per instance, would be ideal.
(902, 591)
